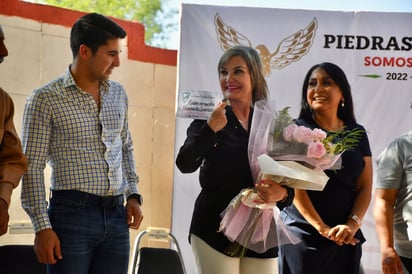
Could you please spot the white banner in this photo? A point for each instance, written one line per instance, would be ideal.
(373, 48)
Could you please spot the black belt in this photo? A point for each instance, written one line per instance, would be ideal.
(90, 199)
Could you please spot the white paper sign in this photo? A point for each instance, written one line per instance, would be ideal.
(197, 104)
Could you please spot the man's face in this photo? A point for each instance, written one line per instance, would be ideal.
(105, 60)
(3, 49)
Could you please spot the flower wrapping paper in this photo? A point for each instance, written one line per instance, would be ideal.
(292, 174)
(257, 227)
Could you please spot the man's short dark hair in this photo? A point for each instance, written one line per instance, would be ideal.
(93, 30)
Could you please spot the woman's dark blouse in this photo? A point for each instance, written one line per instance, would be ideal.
(224, 171)
(334, 204)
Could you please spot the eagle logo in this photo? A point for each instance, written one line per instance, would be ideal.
(289, 50)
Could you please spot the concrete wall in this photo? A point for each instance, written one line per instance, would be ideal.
(37, 38)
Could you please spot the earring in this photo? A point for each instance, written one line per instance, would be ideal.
(342, 103)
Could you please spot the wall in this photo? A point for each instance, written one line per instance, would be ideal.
(37, 37)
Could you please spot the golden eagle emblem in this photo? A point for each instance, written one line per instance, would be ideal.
(290, 49)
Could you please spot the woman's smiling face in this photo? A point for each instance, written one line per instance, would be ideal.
(235, 79)
(323, 93)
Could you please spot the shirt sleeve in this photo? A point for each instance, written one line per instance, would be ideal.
(390, 166)
(13, 163)
(128, 162)
(200, 139)
(364, 144)
(36, 138)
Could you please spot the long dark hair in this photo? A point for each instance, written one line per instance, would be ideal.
(346, 112)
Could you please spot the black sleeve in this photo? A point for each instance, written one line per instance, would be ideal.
(200, 139)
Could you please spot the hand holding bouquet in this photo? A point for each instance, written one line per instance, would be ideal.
(250, 224)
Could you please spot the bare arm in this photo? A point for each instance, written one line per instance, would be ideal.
(363, 191)
(343, 233)
(308, 211)
(340, 234)
(383, 213)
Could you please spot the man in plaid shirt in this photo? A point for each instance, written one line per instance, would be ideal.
(78, 124)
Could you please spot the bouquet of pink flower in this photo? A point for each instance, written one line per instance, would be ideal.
(313, 138)
(304, 150)
(302, 144)
(286, 153)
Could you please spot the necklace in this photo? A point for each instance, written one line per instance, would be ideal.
(339, 127)
(336, 127)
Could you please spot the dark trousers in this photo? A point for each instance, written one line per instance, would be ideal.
(93, 232)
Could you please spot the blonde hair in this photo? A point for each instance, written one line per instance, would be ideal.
(254, 64)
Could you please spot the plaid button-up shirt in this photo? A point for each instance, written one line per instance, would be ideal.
(88, 150)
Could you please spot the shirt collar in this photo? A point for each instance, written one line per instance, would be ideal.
(68, 81)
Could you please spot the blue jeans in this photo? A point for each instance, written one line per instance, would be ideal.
(94, 238)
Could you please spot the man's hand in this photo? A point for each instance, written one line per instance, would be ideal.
(391, 263)
(47, 247)
(134, 213)
(4, 216)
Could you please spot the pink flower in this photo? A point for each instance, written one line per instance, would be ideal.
(318, 134)
(316, 150)
(303, 135)
(288, 132)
